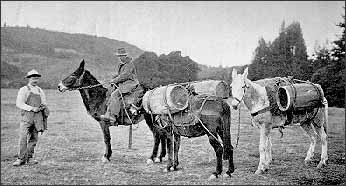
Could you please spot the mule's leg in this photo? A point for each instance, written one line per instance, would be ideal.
(170, 152)
(268, 150)
(176, 151)
(107, 140)
(312, 135)
(262, 149)
(156, 136)
(230, 158)
(163, 139)
(321, 130)
(218, 151)
(324, 142)
(230, 164)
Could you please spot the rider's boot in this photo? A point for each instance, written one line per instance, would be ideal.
(108, 117)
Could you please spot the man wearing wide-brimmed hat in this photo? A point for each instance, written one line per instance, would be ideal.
(125, 79)
(32, 102)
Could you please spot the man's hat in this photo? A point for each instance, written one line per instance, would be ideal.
(33, 73)
(121, 52)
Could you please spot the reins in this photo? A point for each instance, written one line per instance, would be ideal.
(100, 84)
(85, 87)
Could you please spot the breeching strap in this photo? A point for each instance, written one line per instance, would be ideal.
(196, 116)
(209, 131)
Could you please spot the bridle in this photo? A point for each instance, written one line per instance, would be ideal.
(244, 88)
(79, 81)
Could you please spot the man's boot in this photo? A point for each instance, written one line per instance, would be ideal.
(18, 162)
(31, 161)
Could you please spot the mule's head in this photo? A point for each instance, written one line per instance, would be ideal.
(73, 80)
(238, 87)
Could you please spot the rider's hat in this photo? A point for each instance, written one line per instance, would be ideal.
(121, 52)
(33, 73)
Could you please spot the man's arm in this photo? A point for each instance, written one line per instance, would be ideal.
(20, 102)
(125, 75)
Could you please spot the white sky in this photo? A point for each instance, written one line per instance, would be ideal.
(211, 33)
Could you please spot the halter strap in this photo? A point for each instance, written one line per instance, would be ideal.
(244, 87)
(80, 78)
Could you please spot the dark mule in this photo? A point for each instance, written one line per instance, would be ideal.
(213, 120)
(95, 100)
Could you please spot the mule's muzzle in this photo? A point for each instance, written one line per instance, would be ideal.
(62, 87)
(235, 103)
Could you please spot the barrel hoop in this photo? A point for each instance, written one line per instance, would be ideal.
(165, 98)
(295, 95)
(318, 91)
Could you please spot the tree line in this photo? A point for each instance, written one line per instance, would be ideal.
(287, 56)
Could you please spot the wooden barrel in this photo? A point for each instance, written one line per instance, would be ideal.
(170, 98)
(212, 87)
(299, 96)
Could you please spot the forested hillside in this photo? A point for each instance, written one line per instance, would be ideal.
(55, 54)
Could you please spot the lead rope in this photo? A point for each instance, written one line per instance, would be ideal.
(172, 121)
(238, 135)
(196, 116)
(217, 139)
(236, 146)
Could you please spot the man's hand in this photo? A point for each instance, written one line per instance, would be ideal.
(42, 106)
(36, 109)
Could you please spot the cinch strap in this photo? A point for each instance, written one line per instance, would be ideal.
(260, 111)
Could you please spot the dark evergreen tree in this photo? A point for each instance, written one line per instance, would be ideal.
(289, 56)
(261, 65)
(332, 76)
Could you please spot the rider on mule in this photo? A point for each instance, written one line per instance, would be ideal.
(127, 84)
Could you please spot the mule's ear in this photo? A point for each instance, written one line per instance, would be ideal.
(234, 73)
(246, 71)
(81, 66)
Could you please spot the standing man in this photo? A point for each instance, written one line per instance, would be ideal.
(32, 102)
(125, 79)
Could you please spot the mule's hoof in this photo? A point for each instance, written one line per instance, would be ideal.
(157, 160)
(212, 177)
(307, 162)
(321, 165)
(149, 161)
(259, 171)
(104, 160)
(165, 170)
(225, 176)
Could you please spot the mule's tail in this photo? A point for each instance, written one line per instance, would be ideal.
(226, 133)
(325, 123)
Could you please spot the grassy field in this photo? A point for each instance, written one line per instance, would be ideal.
(70, 151)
